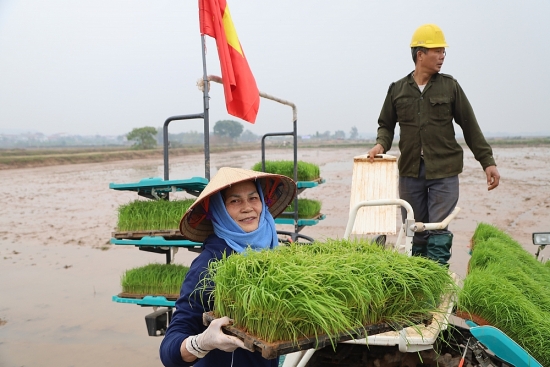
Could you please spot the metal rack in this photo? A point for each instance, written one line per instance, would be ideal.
(292, 218)
(166, 242)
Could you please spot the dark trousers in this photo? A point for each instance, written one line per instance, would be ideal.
(432, 201)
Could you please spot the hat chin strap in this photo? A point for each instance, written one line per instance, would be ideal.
(271, 186)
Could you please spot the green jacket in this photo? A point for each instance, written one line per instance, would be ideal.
(426, 123)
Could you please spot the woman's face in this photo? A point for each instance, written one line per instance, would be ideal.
(243, 205)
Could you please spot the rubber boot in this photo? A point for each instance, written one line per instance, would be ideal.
(439, 247)
(420, 245)
(420, 250)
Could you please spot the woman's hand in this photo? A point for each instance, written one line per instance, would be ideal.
(212, 338)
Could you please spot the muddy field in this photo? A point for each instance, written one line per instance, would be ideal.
(58, 271)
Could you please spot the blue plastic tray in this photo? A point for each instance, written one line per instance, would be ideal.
(502, 345)
(146, 301)
(301, 222)
(156, 241)
(309, 184)
(146, 185)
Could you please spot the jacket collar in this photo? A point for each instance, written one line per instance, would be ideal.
(433, 79)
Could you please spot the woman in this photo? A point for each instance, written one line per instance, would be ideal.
(233, 212)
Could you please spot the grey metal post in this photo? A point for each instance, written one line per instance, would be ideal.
(206, 103)
(296, 227)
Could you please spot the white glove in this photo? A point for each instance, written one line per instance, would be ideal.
(213, 338)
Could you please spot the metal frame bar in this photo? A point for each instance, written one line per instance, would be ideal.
(294, 133)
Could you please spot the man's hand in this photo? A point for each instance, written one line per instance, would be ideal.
(493, 177)
(378, 149)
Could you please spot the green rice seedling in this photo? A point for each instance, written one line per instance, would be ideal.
(485, 231)
(142, 215)
(510, 289)
(154, 279)
(326, 288)
(306, 171)
(307, 208)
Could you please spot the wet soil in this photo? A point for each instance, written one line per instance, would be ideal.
(58, 271)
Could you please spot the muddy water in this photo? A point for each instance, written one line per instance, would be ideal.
(58, 272)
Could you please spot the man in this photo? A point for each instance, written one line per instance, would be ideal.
(424, 103)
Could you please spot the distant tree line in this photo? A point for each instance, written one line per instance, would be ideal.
(148, 137)
(40, 140)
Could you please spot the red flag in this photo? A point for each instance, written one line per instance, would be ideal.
(242, 96)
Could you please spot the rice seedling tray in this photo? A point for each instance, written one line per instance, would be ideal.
(149, 186)
(147, 301)
(167, 234)
(276, 349)
(301, 222)
(515, 286)
(303, 185)
(306, 171)
(310, 184)
(155, 242)
(169, 297)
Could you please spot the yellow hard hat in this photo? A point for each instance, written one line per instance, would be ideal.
(429, 36)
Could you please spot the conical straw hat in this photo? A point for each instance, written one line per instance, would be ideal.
(278, 192)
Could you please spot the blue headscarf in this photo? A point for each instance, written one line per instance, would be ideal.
(265, 236)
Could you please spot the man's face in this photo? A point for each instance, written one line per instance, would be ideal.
(243, 205)
(432, 61)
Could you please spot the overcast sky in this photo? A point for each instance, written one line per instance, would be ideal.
(108, 66)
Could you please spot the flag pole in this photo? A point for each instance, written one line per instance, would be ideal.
(206, 104)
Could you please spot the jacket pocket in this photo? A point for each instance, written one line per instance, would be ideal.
(441, 108)
(405, 110)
